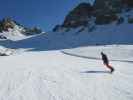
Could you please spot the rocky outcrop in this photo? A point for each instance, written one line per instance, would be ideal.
(106, 11)
(32, 31)
(78, 16)
(103, 11)
(56, 28)
(106, 5)
(9, 23)
(128, 3)
(6, 23)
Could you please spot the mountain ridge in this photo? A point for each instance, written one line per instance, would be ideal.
(10, 28)
(102, 12)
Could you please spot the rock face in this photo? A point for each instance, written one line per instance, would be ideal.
(107, 4)
(32, 31)
(103, 11)
(79, 15)
(128, 3)
(6, 23)
(106, 11)
(9, 23)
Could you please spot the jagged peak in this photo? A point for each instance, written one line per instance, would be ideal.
(104, 12)
(10, 28)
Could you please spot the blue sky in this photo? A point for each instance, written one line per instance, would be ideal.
(42, 13)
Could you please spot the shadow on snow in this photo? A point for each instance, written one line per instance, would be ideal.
(58, 41)
(98, 72)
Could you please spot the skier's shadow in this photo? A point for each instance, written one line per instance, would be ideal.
(97, 72)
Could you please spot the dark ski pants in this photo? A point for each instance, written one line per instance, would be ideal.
(108, 66)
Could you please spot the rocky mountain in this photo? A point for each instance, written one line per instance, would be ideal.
(128, 3)
(106, 11)
(85, 25)
(10, 29)
(79, 16)
(102, 12)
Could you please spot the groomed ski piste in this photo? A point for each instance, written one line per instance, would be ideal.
(70, 74)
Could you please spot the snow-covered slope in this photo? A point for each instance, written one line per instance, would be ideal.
(14, 34)
(109, 34)
(6, 51)
(55, 75)
(70, 37)
(106, 22)
(12, 30)
(70, 74)
(66, 64)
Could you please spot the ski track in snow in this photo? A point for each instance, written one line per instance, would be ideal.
(52, 75)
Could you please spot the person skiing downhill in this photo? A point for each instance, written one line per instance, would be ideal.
(106, 62)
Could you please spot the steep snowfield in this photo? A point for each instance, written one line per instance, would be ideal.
(72, 74)
(110, 34)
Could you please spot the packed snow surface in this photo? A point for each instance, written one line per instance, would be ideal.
(71, 74)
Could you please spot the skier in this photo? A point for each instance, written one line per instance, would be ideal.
(106, 62)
